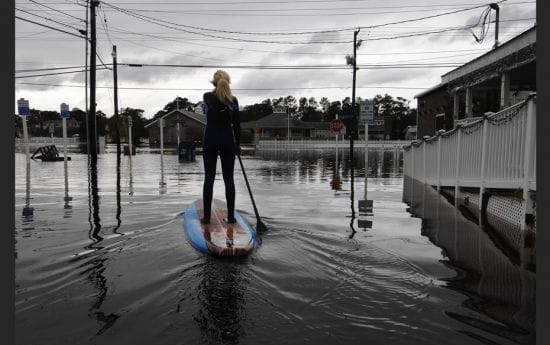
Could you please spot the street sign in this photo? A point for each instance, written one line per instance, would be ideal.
(65, 111)
(23, 107)
(366, 111)
(336, 126)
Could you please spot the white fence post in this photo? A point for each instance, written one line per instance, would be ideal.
(483, 172)
(439, 159)
(529, 152)
(424, 144)
(457, 167)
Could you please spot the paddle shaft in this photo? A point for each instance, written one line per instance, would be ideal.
(249, 190)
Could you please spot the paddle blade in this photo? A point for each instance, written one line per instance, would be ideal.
(260, 227)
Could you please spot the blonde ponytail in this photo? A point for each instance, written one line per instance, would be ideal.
(221, 81)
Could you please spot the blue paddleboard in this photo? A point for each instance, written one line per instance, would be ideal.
(218, 237)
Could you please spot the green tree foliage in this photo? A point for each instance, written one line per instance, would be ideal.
(396, 110)
(256, 111)
(182, 103)
(138, 124)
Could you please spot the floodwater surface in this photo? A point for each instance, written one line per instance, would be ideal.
(112, 264)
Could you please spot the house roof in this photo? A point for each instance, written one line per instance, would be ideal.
(277, 120)
(509, 48)
(190, 114)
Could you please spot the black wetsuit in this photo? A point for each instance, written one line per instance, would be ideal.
(221, 136)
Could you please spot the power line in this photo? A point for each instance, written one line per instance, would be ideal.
(56, 73)
(235, 89)
(46, 18)
(294, 67)
(49, 27)
(48, 69)
(56, 10)
(419, 8)
(177, 26)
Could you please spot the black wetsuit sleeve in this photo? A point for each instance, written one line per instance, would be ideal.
(235, 118)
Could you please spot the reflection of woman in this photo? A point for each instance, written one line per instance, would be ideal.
(221, 137)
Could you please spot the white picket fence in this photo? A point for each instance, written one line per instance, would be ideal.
(282, 144)
(48, 141)
(498, 151)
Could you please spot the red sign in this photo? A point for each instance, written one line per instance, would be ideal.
(336, 126)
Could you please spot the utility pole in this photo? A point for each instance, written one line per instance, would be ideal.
(497, 10)
(115, 85)
(92, 117)
(86, 108)
(353, 110)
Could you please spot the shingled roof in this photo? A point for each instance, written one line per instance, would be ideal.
(195, 116)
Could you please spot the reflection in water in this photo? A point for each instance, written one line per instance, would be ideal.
(221, 298)
(311, 165)
(96, 270)
(495, 284)
(67, 199)
(118, 206)
(131, 179)
(28, 211)
(93, 202)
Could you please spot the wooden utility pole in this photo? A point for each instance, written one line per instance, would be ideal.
(92, 132)
(115, 86)
(353, 110)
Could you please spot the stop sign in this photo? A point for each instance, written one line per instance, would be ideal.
(336, 126)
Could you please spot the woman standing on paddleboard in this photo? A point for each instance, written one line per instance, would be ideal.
(221, 137)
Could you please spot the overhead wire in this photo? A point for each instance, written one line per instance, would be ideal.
(49, 27)
(235, 89)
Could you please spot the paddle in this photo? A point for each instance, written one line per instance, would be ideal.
(260, 226)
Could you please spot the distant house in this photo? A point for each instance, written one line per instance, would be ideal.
(277, 125)
(493, 81)
(178, 125)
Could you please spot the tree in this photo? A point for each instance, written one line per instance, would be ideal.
(325, 103)
(397, 111)
(333, 109)
(138, 123)
(256, 111)
(182, 103)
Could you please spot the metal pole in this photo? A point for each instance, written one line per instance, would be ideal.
(337, 148)
(115, 91)
(161, 124)
(64, 121)
(92, 118)
(366, 155)
(26, 136)
(130, 139)
(288, 126)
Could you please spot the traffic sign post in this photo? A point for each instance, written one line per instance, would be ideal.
(336, 126)
(64, 112)
(23, 110)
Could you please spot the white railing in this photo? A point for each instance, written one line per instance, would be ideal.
(297, 144)
(47, 140)
(508, 158)
(497, 151)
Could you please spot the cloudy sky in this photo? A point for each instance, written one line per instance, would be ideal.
(252, 33)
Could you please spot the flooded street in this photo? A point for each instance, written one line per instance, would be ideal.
(113, 265)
